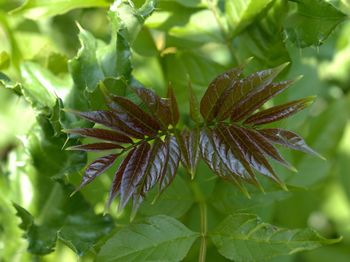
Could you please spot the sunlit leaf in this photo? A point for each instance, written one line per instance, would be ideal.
(160, 238)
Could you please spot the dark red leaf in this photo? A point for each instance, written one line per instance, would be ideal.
(102, 134)
(115, 189)
(159, 107)
(276, 113)
(233, 154)
(95, 147)
(214, 155)
(252, 154)
(288, 139)
(266, 147)
(174, 109)
(172, 162)
(96, 168)
(133, 173)
(194, 105)
(155, 169)
(239, 88)
(189, 142)
(208, 104)
(112, 120)
(133, 115)
(256, 98)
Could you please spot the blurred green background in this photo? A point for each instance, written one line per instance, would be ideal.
(181, 40)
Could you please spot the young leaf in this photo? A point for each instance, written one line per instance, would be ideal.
(174, 109)
(256, 98)
(159, 238)
(96, 168)
(240, 88)
(244, 237)
(288, 139)
(172, 163)
(102, 134)
(133, 115)
(95, 147)
(158, 106)
(279, 112)
(114, 121)
(209, 103)
(188, 142)
(134, 171)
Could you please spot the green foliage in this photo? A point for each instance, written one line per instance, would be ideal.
(167, 106)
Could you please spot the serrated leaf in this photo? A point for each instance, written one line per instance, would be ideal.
(174, 109)
(172, 163)
(313, 22)
(102, 134)
(134, 171)
(133, 114)
(96, 168)
(256, 98)
(288, 139)
(239, 88)
(189, 146)
(209, 102)
(244, 237)
(159, 107)
(60, 216)
(160, 238)
(95, 147)
(279, 112)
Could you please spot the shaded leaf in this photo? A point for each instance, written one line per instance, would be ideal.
(244, 237)
(256, 98)
(96, 168)
(102, 134)
(209, 102)
(279, 112)
(159, 238)
(288, 139)
(174, 109)
(133, 172)
(95, 147)
(133, 114)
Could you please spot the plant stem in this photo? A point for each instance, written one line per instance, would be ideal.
(200, 199)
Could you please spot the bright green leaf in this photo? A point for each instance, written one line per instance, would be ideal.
(160, 238)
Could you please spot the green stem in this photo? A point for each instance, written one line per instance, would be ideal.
(200, 199)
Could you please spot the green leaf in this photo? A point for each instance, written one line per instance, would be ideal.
(264, 39)
(4, 60)
(70, 219)
(241, 13)
(174, 109)
(244, 237)
(35, 9)
(312, 23)
(160, 238)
